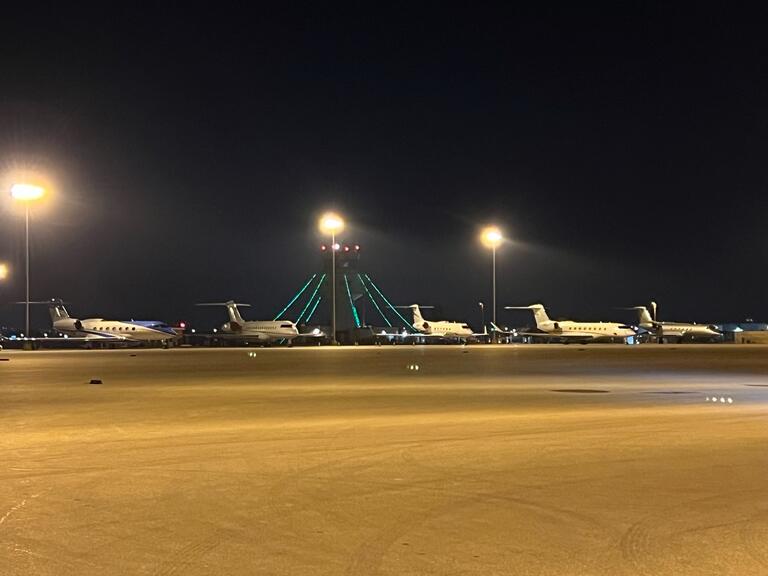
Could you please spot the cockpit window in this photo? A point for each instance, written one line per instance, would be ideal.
(286, 325)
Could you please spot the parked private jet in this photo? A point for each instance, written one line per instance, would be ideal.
(677, 331)
(93, 330)
(570, 331)
(445, 329)
(256, 331)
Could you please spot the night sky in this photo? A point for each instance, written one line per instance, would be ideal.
(624, 151)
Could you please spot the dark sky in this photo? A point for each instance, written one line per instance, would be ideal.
(624, 150)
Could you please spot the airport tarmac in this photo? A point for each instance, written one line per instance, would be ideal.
(397, 460)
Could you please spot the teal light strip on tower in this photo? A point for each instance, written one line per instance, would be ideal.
(306, 307)
(313, 309)
(300, 292)
(370, 297)
(407, 324)
(311, 298)
(351, 303)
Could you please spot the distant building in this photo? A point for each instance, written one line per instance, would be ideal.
(745, 332)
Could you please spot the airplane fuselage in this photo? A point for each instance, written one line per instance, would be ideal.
(684, 330)
(587, 330)
(133, 330)
(443, 328)
(261, 330)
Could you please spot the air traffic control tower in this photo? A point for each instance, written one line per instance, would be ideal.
(362, 310)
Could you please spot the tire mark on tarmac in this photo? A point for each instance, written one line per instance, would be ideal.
(371, 553)
(183, 559)
(13, 509)
(639, 545)
(755, 541)
(275, 494)
(521, 464)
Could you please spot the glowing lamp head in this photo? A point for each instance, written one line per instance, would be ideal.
(3, 271)
(27, 192)
(335, 247)
(331, 223)
(491, 237)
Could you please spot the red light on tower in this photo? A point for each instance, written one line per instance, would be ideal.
(323, 248)
(346, 248)
(357, 247)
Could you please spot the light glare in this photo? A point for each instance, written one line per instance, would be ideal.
(3, 271)
(331, 223)
(27, 192)
(491, 237)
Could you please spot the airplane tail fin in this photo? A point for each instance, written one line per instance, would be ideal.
(644, 315)
(539, 313)
(57, 310)
(231, 305)
(234, 313)
(417, 317)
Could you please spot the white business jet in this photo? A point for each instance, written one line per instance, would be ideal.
(93, 330)
(678, 331)
(570, 331)
(256, 331)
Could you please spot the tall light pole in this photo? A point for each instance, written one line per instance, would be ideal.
(492, 237)
(27, 193)
(331, 223)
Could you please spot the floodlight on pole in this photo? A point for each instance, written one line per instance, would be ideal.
(3, 271)
(491, 237)
(27, 194)
(331, 223)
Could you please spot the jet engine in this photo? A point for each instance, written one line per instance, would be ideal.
(231, 327)
(68, 324)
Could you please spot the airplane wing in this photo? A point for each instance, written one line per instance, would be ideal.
(87, 338)
(434, 336)
(75, 340)
(570, 336)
